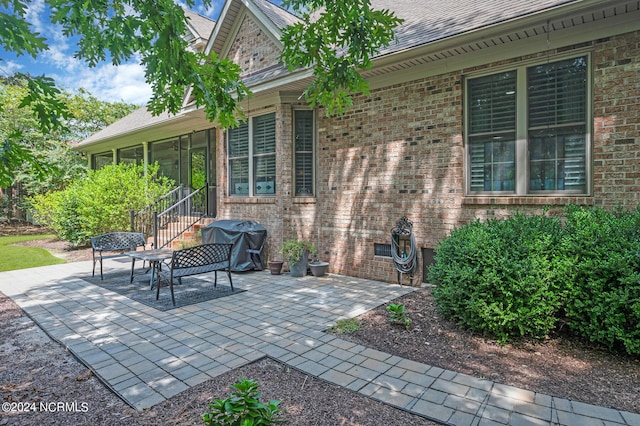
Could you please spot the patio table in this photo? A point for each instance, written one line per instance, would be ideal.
(154, 257)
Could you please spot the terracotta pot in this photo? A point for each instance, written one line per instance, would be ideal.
(275, 266)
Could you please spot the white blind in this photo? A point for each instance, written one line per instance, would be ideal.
(492, 103)
(557, 120)
(557, 93)
(264, 134)
(303, 134)
(239, 141)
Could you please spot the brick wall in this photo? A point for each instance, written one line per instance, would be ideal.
(616, 110)
(400, 152)
(252, 50)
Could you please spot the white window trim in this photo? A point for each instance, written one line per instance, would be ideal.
(521, 154)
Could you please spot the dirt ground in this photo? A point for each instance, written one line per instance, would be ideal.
(34, 369)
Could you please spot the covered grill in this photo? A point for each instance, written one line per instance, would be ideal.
(247, 236)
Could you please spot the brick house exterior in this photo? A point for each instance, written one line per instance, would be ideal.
(404, 149)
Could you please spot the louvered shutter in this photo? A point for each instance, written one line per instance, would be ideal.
(557, 94)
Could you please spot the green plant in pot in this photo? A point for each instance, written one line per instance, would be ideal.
(296, 252)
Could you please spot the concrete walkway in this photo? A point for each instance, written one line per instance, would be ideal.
(146, 355)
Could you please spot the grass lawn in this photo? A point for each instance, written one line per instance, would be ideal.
(21, 257)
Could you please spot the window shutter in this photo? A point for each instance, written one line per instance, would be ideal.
(239, 141)
(239, 160)
(557, 94)
(492, 125)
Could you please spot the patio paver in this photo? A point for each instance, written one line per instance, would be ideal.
(147, 355)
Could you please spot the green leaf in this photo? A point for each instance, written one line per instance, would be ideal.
(338, 43)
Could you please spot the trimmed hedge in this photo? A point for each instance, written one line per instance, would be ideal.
(604, 303)
(521, 276)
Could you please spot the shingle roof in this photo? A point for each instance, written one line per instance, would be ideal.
(138, 119)
(280, 17)
(201, 24)
(427, 21)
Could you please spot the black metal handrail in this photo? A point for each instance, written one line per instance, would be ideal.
(179, 217)
(143, 220)
(179, 212)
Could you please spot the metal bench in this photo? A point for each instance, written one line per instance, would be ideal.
(198, 260)
(116, 243)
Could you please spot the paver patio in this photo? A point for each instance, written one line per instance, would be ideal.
(147, 356)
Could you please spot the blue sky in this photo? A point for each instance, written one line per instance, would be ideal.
(106, 82)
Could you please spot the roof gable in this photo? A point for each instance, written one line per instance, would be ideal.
(251, 49)
(269, 17)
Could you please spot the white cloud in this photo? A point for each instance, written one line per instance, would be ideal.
(110, 83)
(8, 68)
(34, 16)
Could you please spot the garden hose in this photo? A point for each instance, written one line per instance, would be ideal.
(405, 262)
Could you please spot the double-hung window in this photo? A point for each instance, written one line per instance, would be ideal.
(303, 134)
(528, 130)
(251, 149)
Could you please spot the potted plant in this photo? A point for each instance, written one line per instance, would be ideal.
(296, 252)
(317, 267)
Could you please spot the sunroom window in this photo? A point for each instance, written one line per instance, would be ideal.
(251, 151)
(527, 130)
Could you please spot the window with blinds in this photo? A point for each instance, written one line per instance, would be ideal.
(544, 149)
(303, 145)
(238, 155)
(251, 151)
(557, 116)
(492, 134)
(264, 154)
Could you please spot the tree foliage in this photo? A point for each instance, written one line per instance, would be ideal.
(337, 42)
(153, 31)
(40, 160)
(338, 39)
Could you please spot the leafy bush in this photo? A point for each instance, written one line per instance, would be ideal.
(99, 203)
(504, 277)
(604, 304)
(242, 408)
(520, 276)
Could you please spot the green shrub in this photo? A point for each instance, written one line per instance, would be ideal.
(520, 276)
(100, 202)
(604, 304)
(242, 408)
(398, 315)
(504, 278)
